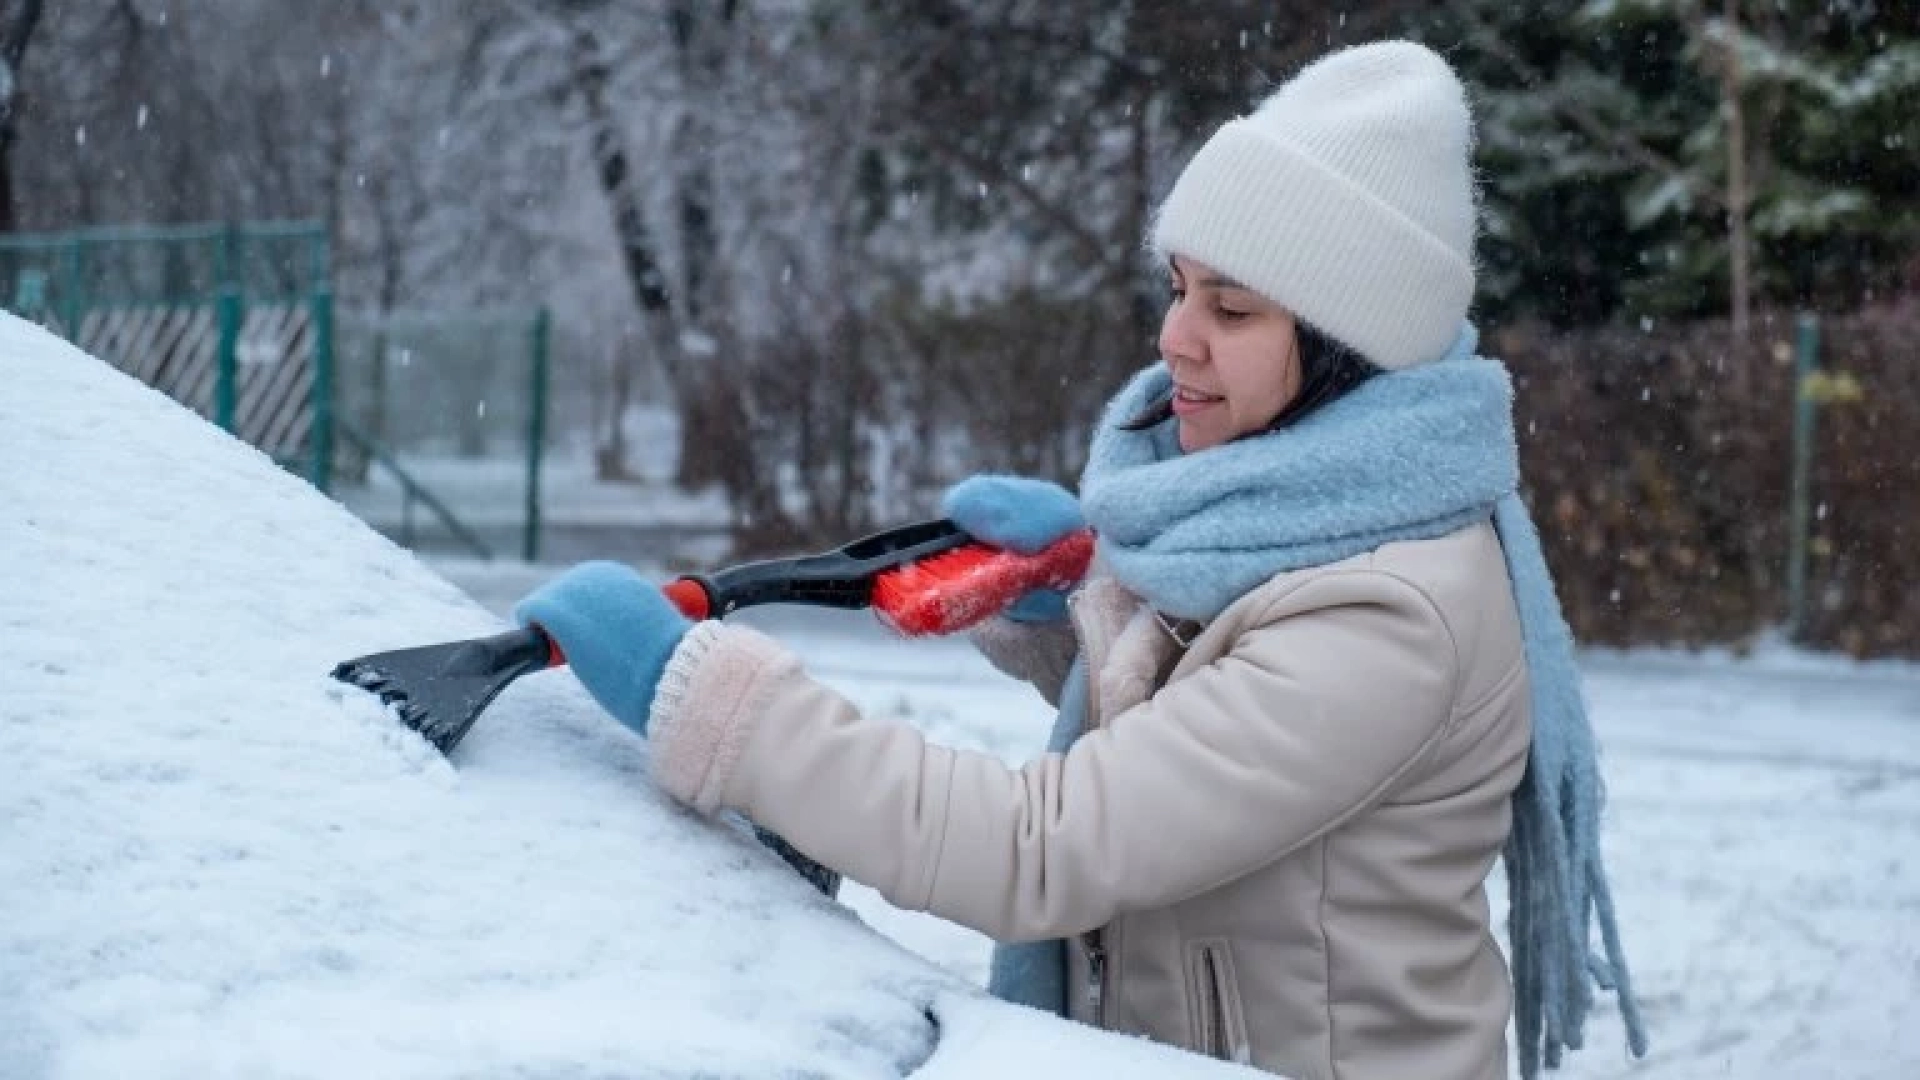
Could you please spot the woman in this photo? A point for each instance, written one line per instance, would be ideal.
(1317, 683)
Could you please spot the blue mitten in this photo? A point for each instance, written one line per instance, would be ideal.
(617, 629)
(1021, 514)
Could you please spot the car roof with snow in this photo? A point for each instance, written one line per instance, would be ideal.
(219, 861)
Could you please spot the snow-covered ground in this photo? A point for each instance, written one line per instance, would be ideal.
(217, 862)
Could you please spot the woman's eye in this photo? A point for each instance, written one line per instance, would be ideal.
(1228, 314)
(1174, 296)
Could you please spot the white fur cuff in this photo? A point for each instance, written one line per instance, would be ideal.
(710, 698)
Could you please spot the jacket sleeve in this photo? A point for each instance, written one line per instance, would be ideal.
(1328, 697)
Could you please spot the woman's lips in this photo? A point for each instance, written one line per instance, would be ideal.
(1187, 402)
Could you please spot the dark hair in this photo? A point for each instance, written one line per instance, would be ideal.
(1329, 368)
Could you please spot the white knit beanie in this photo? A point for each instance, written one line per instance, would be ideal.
(1347, 198)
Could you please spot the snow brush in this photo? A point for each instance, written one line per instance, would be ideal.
(925, 578)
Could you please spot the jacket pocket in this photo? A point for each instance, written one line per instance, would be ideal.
(1219, 1022)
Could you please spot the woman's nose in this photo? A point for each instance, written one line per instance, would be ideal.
(1179, 338)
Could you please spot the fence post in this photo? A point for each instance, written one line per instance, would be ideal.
(230, 312)
(321, 472)
(1806, 351)
(226, 383)
(74, 304)
(536, 434)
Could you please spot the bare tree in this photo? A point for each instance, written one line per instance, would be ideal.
(16, 33)
(613, 162)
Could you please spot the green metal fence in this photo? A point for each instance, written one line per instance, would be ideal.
(456, 404)
(234, 321)
(428, 424)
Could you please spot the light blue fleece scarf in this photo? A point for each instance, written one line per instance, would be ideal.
(1407, 455)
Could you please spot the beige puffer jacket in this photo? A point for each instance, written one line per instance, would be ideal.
(1271, 846)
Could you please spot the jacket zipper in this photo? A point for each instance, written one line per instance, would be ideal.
(1096, 977)
(1093, 646)
(1218, 1035)
(1215, 1010)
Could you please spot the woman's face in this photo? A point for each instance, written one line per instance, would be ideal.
(1233, 355)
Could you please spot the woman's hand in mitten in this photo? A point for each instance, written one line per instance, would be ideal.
(617, 629)
(1021, 514)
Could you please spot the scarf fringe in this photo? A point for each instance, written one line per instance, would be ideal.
(1557, 883)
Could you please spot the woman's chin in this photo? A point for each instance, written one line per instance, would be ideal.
(1194, 438)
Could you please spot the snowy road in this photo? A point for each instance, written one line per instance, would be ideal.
(1763, 834)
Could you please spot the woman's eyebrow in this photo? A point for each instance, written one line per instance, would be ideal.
(1217, 281)
(1211, 281)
